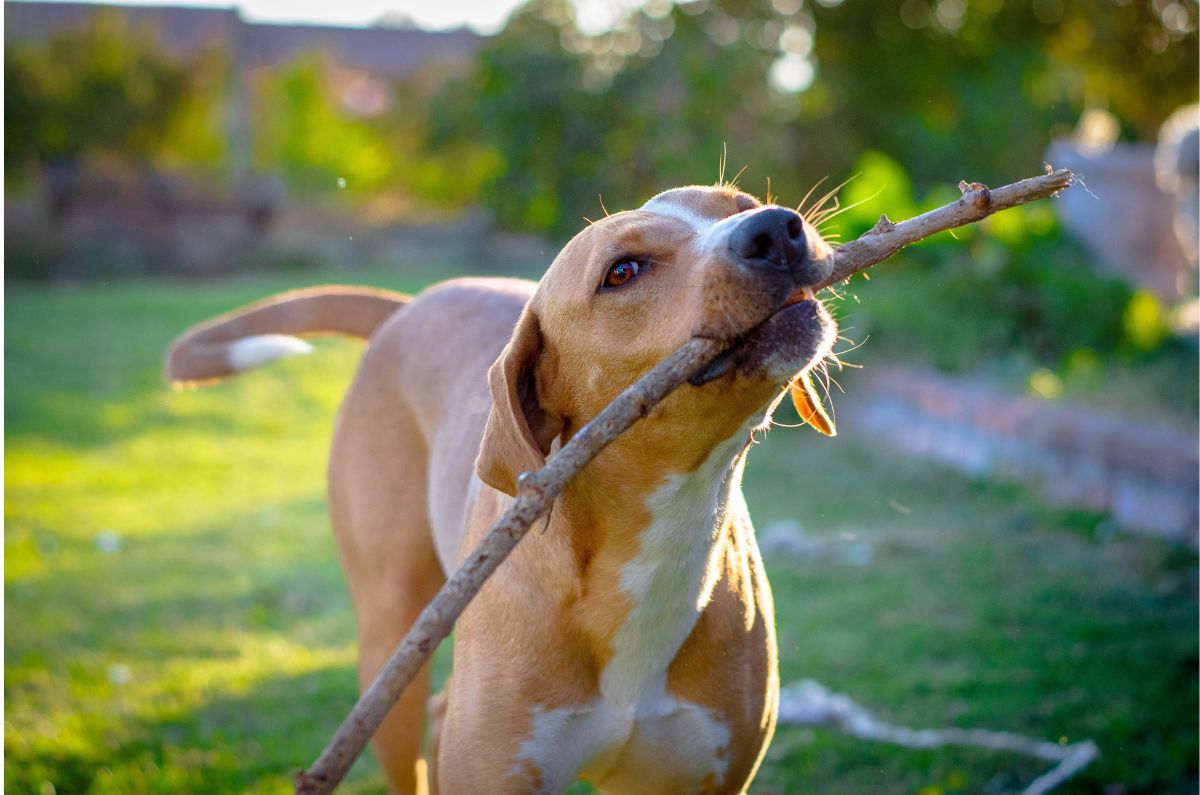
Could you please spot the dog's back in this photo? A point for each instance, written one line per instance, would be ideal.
(424, 376)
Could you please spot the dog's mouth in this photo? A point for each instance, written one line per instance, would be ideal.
(801, 294)
(795, 332)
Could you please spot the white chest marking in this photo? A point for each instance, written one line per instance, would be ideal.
(671, 578)
(635, 736)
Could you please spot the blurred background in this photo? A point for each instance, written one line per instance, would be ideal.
(1003, 536)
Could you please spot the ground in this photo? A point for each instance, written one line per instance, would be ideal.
(176, 620)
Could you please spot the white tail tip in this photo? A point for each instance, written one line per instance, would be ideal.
(258, 350)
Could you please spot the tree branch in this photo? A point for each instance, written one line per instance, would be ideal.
(810, 703)
(536, 491)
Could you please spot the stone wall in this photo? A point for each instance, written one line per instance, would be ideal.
(1142, 474)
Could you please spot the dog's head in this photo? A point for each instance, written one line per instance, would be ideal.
(628, 290)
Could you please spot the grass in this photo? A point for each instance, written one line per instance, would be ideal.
(177, 621)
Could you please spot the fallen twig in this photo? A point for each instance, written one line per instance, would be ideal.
(536, 491)
(810, 703)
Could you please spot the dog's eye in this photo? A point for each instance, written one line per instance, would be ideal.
(622, 273)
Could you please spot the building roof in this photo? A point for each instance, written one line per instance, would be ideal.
(388, 51)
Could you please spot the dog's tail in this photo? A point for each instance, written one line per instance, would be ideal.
(269, 329)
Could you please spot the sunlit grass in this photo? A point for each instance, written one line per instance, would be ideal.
(176, 620)
(171, 580)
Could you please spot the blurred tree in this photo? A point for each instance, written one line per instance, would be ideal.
(104, 88)
(440, 169)
(798, 89)
(951, 88)
(526, 101)
(195, 136)
(647, 104)
(696, 97)
(300, 133)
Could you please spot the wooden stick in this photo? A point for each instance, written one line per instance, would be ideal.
(536, 490)
(977, 202)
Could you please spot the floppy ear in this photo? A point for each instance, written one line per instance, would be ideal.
(809, 407)
(519, 431)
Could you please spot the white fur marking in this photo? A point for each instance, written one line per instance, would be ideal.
(635, 737)
(663, 205)
(664, 739)
(671, 578)
(255, 351)
(663, 745)
(566, 739)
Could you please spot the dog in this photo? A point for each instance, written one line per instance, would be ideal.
(631, 641)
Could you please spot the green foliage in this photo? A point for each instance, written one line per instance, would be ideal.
(574, 118)
(103, 89)
(195, 134)
(1144, 321)
(878, 182)
(301, 134)
(550, 117)
(976, 89)
(443, 170)
(949, 89)
(525, 101)
(965, 302)
(1012, 286)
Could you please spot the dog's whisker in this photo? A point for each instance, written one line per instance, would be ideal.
(819, 216)
(841, 210)
(836, 209)
(842, 364)
(737, 176)
(829, 379)
(829, 393)
(833, 192)
(835, 294)
(816, 185)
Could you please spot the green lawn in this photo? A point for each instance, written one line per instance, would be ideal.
(176, 619)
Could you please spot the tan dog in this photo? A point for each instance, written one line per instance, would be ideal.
(630, 643)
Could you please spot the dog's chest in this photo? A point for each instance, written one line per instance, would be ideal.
(635, 736)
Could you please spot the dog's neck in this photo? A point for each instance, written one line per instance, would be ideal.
(648, 563)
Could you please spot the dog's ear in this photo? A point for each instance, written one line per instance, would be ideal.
(519, 431)
(809, 407)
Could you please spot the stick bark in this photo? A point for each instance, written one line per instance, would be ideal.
(976, 203)
(536, 491)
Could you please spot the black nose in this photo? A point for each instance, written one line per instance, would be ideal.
(772, 237)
